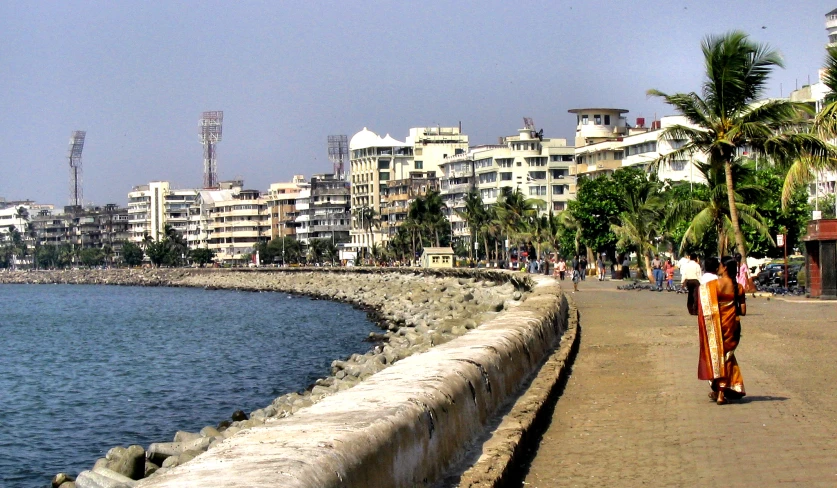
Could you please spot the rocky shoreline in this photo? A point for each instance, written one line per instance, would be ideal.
(417, 309)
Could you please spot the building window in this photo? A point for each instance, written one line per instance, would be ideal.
(558, 173)
(618, 155)
(557, 189)
(384, 176)
(585, 119)
(537, 190)
(505, 176)
(607, 119)
(597, 119)
(558, 206)
(537, 175)
(445, 259)
(435, 259)
(679, 165)
(419, 164)
(567, 157)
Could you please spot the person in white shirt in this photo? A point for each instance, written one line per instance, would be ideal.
(690, 275)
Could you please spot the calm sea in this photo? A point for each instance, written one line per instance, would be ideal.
(85, 368)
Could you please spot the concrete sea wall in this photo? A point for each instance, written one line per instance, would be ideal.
(402, 414)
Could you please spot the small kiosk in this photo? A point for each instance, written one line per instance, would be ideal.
(437, 257)
(821, 260)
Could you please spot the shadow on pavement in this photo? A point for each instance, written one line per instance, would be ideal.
(764, 398)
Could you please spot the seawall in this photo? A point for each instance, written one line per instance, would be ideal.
(404, 425)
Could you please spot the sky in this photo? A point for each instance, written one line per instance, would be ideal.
(137, 75)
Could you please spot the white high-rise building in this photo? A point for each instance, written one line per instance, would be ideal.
(152, 206)
(376, 160)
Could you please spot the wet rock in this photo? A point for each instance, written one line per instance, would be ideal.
(60, 479)
(128, 462)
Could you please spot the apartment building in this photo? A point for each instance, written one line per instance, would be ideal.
(396, 197)
(606, 142)
(238, 221)
(281, 202)
(375, 160)
(541, 168)
(201, 220)
(152, 206)
(323, 210)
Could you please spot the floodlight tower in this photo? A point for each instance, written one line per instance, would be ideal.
(210, 134)
(338, 153)
(74, 155)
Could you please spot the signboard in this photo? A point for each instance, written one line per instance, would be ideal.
(780, 239)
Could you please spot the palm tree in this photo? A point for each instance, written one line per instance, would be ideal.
(728, 117)
(639, 223)
(712, 213)
(516, 213)
(474, 215)
(805, 168)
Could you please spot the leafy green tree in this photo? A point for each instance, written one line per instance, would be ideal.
(132, 254)
(640, 223)
(793, 217)
(729, 116)
(47, 256)
(92, 256)
(202, 256)
(707, 211)
(158, 252)
(598, 203)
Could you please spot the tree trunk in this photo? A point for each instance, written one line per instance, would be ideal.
(733, 211)
(648, 273)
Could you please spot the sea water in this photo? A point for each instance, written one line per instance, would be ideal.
(84, 368)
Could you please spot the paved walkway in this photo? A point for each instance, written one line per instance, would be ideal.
(634, 413)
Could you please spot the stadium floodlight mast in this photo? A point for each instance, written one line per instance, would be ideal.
(74, 155)
(210, 134)
(338, 153)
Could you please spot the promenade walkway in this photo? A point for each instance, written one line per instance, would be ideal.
(634, 414)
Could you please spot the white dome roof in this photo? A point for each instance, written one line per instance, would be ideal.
(389, 141)
(363, 139)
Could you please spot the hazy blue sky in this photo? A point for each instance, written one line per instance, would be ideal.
(137, 75)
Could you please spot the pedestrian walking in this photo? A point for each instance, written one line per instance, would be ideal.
(721, 306)
(576, 272)
(690, 279)
(669, 271)
(600, 264)
(657, 270)
(626, 268)
(583, 267)
(562, 268)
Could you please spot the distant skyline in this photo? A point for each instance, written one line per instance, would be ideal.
(137, 75)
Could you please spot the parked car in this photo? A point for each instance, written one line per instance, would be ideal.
(774, 274)
(767, 274)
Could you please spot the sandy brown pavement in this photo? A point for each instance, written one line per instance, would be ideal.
(634, 413)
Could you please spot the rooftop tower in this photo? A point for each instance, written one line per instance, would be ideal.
(74, 155)
(210, 134)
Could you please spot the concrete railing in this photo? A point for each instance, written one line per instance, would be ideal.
(404, 426)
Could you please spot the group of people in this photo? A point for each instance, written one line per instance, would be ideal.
(577, 270)
(716, 294)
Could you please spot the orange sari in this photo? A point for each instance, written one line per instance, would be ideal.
(720, 332)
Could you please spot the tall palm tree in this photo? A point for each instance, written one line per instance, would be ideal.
(712, 213)
(728, 117)
(474, 215)
(516, 213)
(639, 223)
(805, 168)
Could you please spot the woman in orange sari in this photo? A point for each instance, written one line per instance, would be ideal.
(720, 306)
